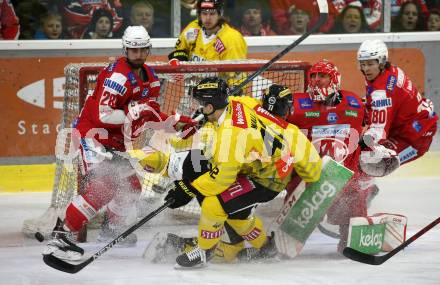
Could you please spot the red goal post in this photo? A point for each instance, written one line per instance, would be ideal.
(176, 82)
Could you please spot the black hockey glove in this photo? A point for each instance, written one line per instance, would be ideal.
(182, 193)
(178, 54)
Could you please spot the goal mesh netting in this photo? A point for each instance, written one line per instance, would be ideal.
(176, 82)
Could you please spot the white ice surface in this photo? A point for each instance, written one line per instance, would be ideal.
(419, 199)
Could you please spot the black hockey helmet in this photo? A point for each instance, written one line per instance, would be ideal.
(212, 90)
(278, 100)
(210, 4)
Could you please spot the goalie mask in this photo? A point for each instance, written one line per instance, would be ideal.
(211, 90)
(278, 100)
(324, 80)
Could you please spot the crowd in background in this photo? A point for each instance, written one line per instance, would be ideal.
(104, 19)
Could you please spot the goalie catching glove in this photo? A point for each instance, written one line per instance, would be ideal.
(181, 193)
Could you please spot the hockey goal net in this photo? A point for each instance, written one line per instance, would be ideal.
(175, 85)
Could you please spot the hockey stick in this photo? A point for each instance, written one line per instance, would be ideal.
(323, 15)
(378, 260)
(67, 267)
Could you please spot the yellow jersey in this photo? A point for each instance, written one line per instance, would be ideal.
(250, 141)
(226, 44)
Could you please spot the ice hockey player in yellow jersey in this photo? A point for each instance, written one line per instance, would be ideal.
(209, 37)
(251, 161)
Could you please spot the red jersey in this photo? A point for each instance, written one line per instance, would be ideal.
(395, 108)
(116, 86)
(9, 26)
(77, 14)
(334, 130)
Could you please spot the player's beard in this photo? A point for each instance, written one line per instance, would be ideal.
(135, 64)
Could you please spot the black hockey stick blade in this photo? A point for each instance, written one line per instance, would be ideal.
(72, 268)
(379, 259)
(323, 15)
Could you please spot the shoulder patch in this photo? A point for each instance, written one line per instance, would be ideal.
(219, 46)
(391, 82)
(191, 34)
(238, 115)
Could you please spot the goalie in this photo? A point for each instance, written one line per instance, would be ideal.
(251, 161)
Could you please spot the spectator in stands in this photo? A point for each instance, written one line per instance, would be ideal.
(433, 22)
(280, 13)
(51, 27)
(253, 21)
(299, 21)
(77, 14)
(396, 5)
(372, 10)
(351, 20)
(101, 25)
(9, 25)
(433, 4)
(142, 14)
(409, 19)
(30, 12)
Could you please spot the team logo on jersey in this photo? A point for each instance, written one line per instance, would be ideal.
(305, 103)
(312, 114)
(238, 116)
(332, 118)
(351, 113)
(325, 131)
(382, 103)
(416, 125)
(219, 46)
(333, 147)
(353, 102)
(120, 89)
(391, 82)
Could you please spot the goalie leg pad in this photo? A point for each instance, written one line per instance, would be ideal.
(79, 212)
(380, 232)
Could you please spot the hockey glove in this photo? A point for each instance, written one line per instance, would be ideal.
(142, 108)
(179, 55)
(185, 125)
(182, 193)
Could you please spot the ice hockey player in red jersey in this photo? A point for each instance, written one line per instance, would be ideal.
(401, 122)
(122, 101)
(333, 119)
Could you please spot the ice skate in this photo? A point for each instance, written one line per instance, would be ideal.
(62, 244)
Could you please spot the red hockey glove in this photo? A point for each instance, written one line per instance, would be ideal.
(185, 125)
(142, 108)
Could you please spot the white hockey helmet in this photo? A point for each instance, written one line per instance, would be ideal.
(373, 49)
(136, 37)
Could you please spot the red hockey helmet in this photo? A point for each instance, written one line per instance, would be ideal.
(319, 86)
(210, 5)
